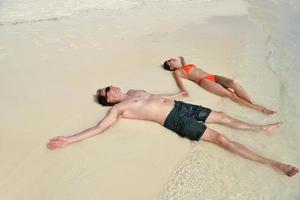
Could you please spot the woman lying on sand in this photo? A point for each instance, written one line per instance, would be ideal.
(219, 85)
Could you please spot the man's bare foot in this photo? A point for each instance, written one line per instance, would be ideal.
(289, 170)
(269, 128)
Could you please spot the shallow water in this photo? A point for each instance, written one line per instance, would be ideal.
(53, 53)
(268, 66)
(19, 11)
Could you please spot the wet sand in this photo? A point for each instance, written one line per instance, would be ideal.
(51, 69)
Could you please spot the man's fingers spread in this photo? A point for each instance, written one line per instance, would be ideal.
(50, 146)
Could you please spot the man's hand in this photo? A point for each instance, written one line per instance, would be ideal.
(58, 142)
(184, 93)
(181, 94)
(178, 95)
(110, 119)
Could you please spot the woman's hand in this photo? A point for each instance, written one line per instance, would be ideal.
(182, 60)
(58, 142)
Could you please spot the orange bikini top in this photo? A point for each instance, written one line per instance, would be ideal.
(187, 68)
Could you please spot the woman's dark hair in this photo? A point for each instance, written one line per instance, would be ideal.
(102, 100)
(166, 66)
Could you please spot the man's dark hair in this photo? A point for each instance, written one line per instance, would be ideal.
(102, 100)
(166, 66)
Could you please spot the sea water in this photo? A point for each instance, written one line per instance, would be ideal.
(12, 12)
(18, 11)
(268, 66)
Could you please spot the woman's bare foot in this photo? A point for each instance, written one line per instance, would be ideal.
(267, 111)
(289, 170)
(269, 128)
(251, 101)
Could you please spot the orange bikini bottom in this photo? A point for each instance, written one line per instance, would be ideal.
(209, 78)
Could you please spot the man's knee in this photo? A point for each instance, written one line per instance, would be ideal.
(211, 135)
(222, 140)
(223, 117)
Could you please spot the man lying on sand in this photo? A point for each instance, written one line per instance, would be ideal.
(216, 84)
(186, 120)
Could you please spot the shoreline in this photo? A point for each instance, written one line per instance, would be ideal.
(52, 69)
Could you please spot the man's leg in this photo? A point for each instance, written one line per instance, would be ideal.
(234, 147)
(224, 119)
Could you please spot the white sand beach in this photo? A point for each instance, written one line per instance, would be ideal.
(54, 56)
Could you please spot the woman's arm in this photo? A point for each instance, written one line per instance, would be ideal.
(182, 60)
(178, 79)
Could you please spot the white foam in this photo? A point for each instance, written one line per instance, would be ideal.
(13, 11)
(19, 11)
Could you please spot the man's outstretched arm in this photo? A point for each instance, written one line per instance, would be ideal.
(61, 141)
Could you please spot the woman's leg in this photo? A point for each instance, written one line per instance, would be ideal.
(213, 136)
(224, 119)
(237, 88)
(219, 90)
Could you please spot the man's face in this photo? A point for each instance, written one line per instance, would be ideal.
(111, 93)
(173, 63)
